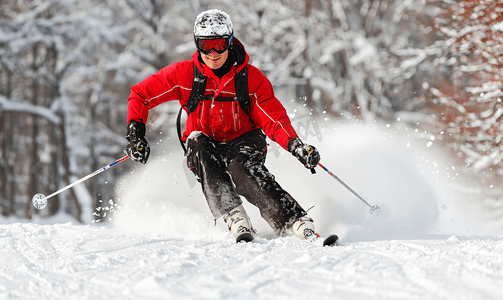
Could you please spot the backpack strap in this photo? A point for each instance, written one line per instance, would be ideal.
(197, 92)
(196, 95)
(179, 130)
(242, 93)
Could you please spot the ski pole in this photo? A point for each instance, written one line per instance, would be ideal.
(39, 201)
(374, 209)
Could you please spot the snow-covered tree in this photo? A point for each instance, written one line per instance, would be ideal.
(470, 56)
(53, 54)
(30, 80)
(344, 57)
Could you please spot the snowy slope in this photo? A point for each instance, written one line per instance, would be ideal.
(432, 241)
(85, 262)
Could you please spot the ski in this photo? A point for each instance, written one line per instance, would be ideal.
(331, 241)
(245, 237)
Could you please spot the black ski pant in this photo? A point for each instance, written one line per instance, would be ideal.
(227, 170)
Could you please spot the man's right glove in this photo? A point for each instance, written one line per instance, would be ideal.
(137, 148)
(306, 154)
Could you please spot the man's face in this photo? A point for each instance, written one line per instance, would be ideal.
(215, 60)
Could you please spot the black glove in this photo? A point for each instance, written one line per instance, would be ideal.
(306, 154)
(137, 148)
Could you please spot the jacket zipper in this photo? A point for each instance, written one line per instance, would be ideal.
(211, 108)
(235, 111)
(201, 115)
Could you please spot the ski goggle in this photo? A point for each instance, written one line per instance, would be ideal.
(218, 44)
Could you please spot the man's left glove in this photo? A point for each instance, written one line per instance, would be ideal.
(137, 148)
(306, 154)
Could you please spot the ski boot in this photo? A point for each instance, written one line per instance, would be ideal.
(304, 229)
(239, 223)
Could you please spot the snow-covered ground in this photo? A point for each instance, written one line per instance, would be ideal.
(436, 237)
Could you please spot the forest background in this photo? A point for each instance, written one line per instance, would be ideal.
(67, 66)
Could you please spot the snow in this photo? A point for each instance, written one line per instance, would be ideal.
(498, 26)
(6, 105)
(431, 240)
(366, 51)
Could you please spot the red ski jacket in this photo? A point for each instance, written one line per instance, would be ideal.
(221, 120)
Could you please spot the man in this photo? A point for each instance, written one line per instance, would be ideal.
(226, 145)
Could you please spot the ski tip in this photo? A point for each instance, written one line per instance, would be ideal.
(330, 241)
(245, 237)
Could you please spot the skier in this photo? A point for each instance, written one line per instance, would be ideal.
(225, 140)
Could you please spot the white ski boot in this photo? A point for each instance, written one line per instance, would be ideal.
(304, 229)
(239, 223)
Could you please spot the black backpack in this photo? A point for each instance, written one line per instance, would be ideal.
(197, 95)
